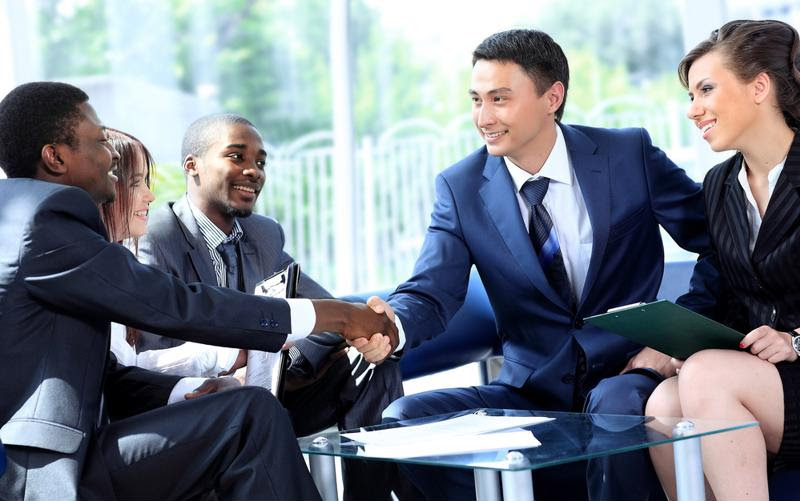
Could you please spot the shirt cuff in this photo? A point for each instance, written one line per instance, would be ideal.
(401, 334)
(182, 387)
(303, 315)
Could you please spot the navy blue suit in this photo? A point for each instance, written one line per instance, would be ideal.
(630, 188)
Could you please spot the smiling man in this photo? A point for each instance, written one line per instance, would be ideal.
(561, 222)
(62, 283)
(211, 235)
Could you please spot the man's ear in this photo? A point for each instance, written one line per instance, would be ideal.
(52, 161)
(555, 96)
(190, 166)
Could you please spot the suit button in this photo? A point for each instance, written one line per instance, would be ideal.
(568, 379)
(578, 324)
(264, 323)
(273, 323)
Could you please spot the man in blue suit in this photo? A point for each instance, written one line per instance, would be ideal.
(561, 222)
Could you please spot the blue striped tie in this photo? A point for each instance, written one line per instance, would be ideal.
(545, 241)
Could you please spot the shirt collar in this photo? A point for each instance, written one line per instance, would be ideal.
(772, 179)
(556, 167)
(211, 232)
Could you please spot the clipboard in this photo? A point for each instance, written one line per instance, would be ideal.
(668, 328)
(271, 372)
(282, 365)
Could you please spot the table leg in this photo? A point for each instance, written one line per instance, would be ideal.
(517, 485)
(689, 479)
(323, 470)
(487, 485)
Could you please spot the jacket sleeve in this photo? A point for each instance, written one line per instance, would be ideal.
(75, 269)
(678, 204)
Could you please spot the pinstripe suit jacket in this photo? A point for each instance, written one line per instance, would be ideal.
(762, 288)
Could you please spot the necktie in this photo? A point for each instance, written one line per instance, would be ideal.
(227, 250)
(545, 241)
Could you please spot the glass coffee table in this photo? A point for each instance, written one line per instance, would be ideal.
(505, 473)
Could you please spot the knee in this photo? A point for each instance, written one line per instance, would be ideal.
(400, 409)
(664, 400)
(706, 376)
(624, 394)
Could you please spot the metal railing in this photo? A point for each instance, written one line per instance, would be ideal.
(394, 187)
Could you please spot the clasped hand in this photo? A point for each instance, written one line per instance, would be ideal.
(768, 344)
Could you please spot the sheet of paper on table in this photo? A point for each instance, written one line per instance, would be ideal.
(464, 444)
(463, 434)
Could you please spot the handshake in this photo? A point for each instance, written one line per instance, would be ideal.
(370, 328)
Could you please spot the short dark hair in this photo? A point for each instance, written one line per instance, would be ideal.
(538, 54)
(202, 132)
(33, 115)
(752, 47)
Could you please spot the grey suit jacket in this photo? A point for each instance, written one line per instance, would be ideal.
(174, 244)
(61, 284)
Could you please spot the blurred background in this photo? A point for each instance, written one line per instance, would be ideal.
(361, 102)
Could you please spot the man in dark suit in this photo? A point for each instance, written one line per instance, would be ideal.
(183, 239)
(62, 282)
(561, 222)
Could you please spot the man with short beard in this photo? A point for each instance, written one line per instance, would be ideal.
(224, 162)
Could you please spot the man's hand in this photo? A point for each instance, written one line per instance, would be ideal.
(768, 344)
(379, 306)
(649, 358)
(212, 385)
(353, 320)
(375, 349)
(241, 361)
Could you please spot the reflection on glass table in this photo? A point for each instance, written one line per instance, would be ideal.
(567, 437)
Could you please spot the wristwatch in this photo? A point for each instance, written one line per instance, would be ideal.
(795, 342)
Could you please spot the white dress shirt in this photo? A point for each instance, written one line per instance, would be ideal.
(753, 216)
(564, 202)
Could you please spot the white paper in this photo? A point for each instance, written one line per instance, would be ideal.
(505, 440)
(469, 425)
(262, 365)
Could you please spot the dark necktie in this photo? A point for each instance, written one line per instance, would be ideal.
(227, 250)
(544, 239)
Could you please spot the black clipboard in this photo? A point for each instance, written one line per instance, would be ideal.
(281, 366)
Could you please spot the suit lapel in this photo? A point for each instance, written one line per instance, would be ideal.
(250, 267)
(592, 173)
(783, 209)
(198, 251)
(736, 213)
(498, 195)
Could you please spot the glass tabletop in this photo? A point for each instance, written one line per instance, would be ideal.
(567, 437)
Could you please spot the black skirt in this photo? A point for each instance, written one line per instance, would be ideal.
(788, 456)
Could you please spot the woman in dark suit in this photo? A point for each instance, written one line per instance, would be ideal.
(745, 90)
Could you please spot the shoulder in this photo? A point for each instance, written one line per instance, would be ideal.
(717, 175)
(28, 198)
(163, 222)
(606, 139)
(263, 226)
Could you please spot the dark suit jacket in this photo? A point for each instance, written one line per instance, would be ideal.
(175, 245)
(762, 288)
(630, 188)
(61, 284)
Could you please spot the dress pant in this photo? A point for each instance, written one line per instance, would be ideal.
(238, 444)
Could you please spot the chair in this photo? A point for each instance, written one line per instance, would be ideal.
(2, 459)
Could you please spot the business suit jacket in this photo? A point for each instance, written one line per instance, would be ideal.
(174, 244)
(61, 284)
(762, 288)
(630, 188)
